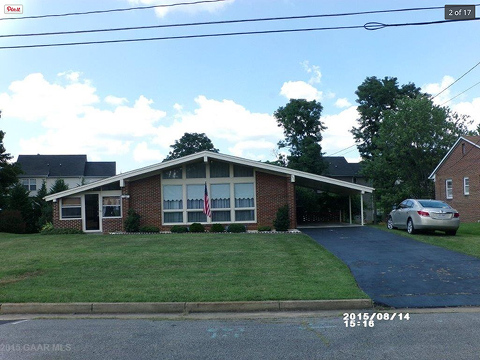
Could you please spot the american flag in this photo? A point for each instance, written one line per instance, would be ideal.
(206, 203)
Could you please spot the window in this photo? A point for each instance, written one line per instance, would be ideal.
(195, 171)
(172, 197)
(466, 186)
(242, 171)
(449, 188)
(29, 184)
(195, 196)
(71, 208)
(463, 149)
(220, 196)
(172, 173)
(112, 206)
(219, 169)
(244, 198)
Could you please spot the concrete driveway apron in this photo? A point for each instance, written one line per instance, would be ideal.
(403, 273)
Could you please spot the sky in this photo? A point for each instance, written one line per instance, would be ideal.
(128, 102)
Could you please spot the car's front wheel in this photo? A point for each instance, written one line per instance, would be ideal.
(410, 227)
(390, 223)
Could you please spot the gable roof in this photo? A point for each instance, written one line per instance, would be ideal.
(473, 140)
(300, 177)
(63, 166)
(339, 166)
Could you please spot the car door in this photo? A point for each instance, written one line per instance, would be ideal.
(398, 214)
(402, 216)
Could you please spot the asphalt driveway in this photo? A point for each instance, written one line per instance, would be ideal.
(403, 273)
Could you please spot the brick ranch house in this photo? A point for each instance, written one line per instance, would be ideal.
(457, 178)
(172, 192)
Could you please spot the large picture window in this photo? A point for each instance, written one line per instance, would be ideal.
(195, 199)
(71, 208)
(244, 202)
(219, 169)
(196, 171)
(111, 206)
(172, 200)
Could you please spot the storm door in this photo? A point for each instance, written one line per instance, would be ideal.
(92, 219)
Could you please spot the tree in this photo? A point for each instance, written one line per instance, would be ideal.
(412, 139)
(190, 143)
(300, 120)
(43, 209)
(375, 96)
(19, 200)
(58, 186)
(8, 173)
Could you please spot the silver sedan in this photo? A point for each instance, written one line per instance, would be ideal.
(413, 215)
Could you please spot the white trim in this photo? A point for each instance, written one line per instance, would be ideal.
(461, 138)
(451, 189)
(466, 187)
(222, 157)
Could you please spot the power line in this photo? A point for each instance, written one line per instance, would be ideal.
(460, 93)
(343, 150)
(225, 34)
(456, 81)
(299, 17)
(112, 10)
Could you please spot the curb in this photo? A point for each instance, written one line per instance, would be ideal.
(182, 307)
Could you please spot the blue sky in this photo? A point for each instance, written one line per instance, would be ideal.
(128, 102)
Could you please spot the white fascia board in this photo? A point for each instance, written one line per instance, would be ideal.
(205, 155)
(432, 175)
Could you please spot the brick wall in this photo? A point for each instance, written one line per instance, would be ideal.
(461, 163)
(273, 192)
(112, 225)
(146, 200)
(64, 224)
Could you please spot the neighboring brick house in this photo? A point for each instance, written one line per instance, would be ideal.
(457, 178)
(172, 193)
(75, 170)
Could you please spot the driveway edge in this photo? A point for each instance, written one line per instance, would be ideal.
(182, 307)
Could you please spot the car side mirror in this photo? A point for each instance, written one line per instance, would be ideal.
(394, 207)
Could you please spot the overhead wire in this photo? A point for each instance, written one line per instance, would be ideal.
(457, 80)
(112, 10)
(196, 36)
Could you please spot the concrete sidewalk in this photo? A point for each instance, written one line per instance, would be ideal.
(182, 307)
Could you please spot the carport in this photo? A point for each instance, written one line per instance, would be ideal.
(331, 185)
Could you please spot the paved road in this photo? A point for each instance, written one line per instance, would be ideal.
(403, 273)
(423, 336)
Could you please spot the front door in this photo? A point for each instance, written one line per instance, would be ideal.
(92, 219)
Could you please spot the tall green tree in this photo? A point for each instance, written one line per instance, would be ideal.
(300, 120)
(374, 97)
(412, 139)
(19, 199)
(8, 173)
(190, 143)
(58, 186)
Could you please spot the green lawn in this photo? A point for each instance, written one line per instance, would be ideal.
(466, 241)
(170, 267)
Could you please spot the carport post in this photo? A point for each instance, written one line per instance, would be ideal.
(350, 207)
(361, 206)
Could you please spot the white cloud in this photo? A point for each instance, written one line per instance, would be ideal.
(72, 119)
(435, 88)
(300, 90)
(337, 136)
(314, 71)
(342, 103)
(191, 9)
(142, 153)
(471, 109)
(243, 148)
(70, 75)
(113, 100)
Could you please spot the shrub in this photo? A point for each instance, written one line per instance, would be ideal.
(53, 231)
(282, 221)
(149, 229)
(11, 221)
(132, 222)
(196, 228)
(179, 229)
(264, 228)
(217, 228)
(236, 228)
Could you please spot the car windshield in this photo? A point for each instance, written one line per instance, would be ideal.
(434, 204)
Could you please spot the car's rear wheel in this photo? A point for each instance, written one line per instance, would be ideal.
(410, 226)
(390, 223)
